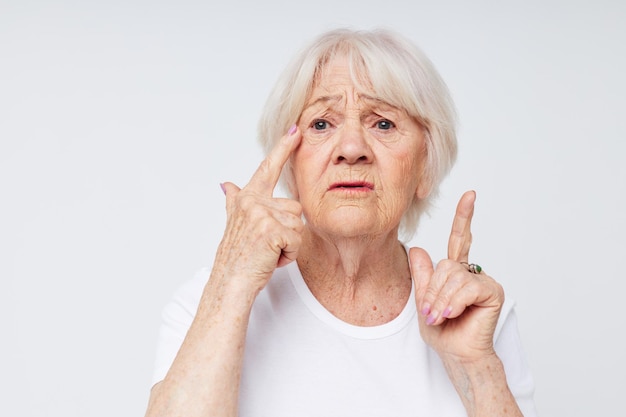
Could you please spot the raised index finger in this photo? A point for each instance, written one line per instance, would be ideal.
(461, 234)
(267, 174)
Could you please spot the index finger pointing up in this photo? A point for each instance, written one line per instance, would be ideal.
(461, 234)
(267, 174)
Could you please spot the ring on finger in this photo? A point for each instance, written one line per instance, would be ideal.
(473, 268)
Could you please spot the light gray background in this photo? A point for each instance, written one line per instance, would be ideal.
(119, 119)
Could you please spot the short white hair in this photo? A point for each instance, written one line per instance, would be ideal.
(398, 72)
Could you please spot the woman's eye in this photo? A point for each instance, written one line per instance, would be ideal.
(384, 124)
(320, 125)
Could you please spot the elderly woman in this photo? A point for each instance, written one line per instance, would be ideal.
(313, 307)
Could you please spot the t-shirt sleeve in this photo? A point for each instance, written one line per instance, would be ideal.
(176, 319)
(509, 348)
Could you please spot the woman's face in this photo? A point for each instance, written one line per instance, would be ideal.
(359, 165)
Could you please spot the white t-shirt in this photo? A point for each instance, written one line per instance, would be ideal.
(300, 360)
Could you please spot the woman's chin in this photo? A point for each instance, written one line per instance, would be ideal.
(351, 223)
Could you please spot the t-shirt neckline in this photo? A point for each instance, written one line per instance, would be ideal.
(360, 332)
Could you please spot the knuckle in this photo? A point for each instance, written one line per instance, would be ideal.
(296, 239)
(292, 206)
(299, 226)
(446, 264)
(245, 201)
(266, 225)
(430, 294)
(441, 302)
(265, 166)
(497, 288)
(297, 208)
(458, 277)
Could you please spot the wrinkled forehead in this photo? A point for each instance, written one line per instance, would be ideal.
(342, 67)
(372, 80)
(375, 83)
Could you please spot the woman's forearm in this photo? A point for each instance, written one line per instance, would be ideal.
(482, 386)
(262, 233)
(204, 378)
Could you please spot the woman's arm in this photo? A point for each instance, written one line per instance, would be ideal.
(482, 386)
(262, 232)
(204, 377)
(458, 314)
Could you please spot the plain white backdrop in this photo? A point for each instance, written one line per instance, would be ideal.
(119, 119)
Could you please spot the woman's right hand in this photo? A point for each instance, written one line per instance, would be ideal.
(262, 232)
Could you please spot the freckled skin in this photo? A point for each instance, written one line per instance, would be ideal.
(350, 135)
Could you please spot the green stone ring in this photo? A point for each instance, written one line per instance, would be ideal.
(473, 268)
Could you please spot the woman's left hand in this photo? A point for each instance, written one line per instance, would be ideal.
(458, 310)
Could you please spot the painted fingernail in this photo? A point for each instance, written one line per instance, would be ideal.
(446, 312)
(223, 188)
(292, 130)
(431, 318)
(426, 309)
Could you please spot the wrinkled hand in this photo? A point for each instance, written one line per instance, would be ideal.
(262, 232)
(457, 310)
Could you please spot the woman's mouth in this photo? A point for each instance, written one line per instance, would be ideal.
(352, 186)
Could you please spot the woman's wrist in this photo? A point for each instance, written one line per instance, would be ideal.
(481, 384)
(232, 292)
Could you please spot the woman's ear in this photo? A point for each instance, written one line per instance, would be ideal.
(425, 184)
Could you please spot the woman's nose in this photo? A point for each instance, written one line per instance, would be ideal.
(351, 145)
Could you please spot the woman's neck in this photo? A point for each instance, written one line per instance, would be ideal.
(361, 280)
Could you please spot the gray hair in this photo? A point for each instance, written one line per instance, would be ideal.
(398, 72)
